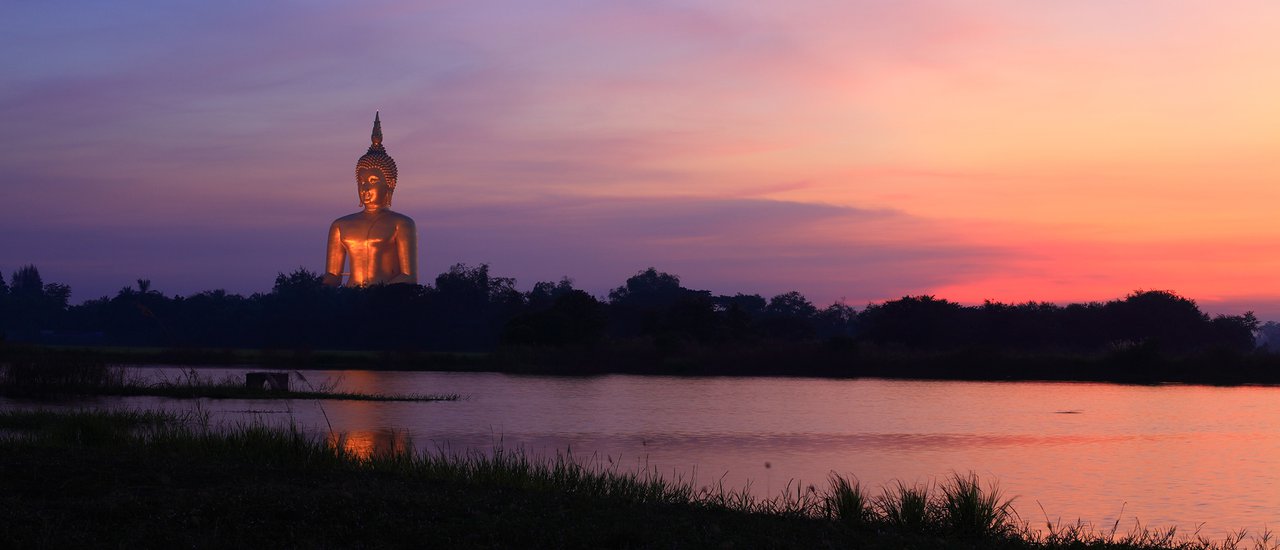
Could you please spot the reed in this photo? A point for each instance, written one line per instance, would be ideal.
(970, 511)
(45, 374)
(908, 507)
(41, 374)
(289, 483)
(846, 502)
(192, 384)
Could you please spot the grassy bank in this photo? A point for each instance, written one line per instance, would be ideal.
(143, 479)
(1139, 364)
(43, 373)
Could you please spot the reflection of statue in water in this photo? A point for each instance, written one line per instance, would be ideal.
(371, 443)
(382, 245)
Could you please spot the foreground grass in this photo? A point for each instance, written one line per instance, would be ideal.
(148, 479)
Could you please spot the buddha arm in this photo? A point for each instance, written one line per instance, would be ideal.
(335, 256)
(407, 251)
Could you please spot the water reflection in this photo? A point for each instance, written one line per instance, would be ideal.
(371, 443)
(1168, 456)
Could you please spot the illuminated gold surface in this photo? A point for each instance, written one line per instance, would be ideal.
(379, 246)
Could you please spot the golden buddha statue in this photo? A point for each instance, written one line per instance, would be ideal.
(382, 245)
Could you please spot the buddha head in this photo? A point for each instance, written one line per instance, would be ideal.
(376, 171)
(373, 188)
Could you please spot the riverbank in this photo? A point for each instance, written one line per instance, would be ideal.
(58, 374)
(150, 479)
(1136, 364)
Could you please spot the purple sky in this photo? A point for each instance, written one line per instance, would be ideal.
(746, 148)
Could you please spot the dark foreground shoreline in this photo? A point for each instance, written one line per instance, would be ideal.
(833, 359)
(152, 480)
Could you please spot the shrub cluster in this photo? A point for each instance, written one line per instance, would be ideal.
(468, 309)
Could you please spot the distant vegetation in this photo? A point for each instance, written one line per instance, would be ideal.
(652, 318)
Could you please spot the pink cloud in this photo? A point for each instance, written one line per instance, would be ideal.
(223, 135)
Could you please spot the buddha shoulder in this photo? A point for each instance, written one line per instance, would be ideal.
(362, 219)
(400, 219)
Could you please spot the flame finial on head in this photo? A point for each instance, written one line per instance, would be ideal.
(376, 138)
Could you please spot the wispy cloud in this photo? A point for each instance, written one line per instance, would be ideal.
(725, 245)
(863, 149)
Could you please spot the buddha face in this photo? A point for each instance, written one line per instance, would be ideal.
(373, 189)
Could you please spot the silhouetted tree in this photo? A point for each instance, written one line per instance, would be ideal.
(214, 318)
(1234, 332)
(1158, 317)
(1084, 327)
(838, 320)
(389, 316)
(741, 312)
(31, 305)
(56, 296)
(692, 318)
(468, 286)
(300, 282)
(137, 317)
(301, 312)
(789, 316)
(26, 281)
(653, 303)
(469, 308)
(574, 318)
(791, 304)
(913, 321)
(1269, 336)
(750, 304)
(1031, 325)
(545, 293)
(648, 289)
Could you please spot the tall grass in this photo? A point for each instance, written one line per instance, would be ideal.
(907, 507)
(846, 502)
(967, 510)
(959, 508)
(84, 427)
(42, 374)
(38, 376)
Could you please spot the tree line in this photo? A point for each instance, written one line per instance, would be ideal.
(468, 309)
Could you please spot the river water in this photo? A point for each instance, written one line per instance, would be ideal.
(1194, 457)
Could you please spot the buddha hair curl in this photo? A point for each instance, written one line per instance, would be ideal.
(382, 162)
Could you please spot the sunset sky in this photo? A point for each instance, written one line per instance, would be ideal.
(1059, 150)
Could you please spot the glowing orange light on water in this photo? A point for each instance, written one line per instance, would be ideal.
(365, 444)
